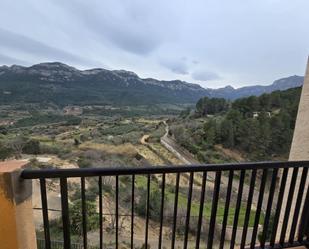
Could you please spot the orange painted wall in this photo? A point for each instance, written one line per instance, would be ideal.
(8, 232)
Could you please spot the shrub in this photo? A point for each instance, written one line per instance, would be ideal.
(76, 216)
(3, 130)
(32, 147)
(154, 204)
(83, 162)
(76, 219)
(55, 149)
(5, 152)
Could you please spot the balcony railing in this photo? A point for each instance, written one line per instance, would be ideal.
(248, 205)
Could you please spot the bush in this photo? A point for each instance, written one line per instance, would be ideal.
(49, 149)
(154, 204)
(83, 162)
(75, 210)
(55, 149)
(76, 216)
(72, 120)
(3, 130)
(32, 147)
(5, 152)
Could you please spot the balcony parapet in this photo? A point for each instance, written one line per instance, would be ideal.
(17, 229)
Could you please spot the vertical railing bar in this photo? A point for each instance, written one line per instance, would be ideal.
(237, 208)
(278, 207)
(226, 208)
(214, 207)
(298, 204)
(45, 213)
(101, 212)
(132, 211)
(288, 206)
(65, 212)
(162, 210)
(248, 209)
(175, 211)
(269, 206)
(147, 211)
(188, 210)
(84, 218)
(258, 209)
(304, 219)
(200, 216)
(117, 209)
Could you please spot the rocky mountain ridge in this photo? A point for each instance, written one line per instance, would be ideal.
(62, 84)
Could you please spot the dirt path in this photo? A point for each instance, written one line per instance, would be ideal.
(188, 159)
(176, 149)
(144, 139)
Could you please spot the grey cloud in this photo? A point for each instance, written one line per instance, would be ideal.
(204, 75)
(125, 28)
(133, 42)
(176, 66)
(229, 36)
(20, 43)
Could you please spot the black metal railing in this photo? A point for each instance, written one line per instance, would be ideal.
(247, 205)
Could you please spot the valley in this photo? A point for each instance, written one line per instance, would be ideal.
(66, 131)
(56, 139)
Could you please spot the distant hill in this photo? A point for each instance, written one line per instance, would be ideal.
(64, 85)
(229, 92)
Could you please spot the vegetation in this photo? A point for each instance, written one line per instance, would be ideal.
(209, 106)
(76, 217)
(260, 127)
(47, 119)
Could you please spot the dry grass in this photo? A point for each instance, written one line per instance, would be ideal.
(233, 154)
(166, 154)
(123, 149)
(151, 157)
(148, 121)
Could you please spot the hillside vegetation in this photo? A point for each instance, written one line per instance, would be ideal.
(259, 128)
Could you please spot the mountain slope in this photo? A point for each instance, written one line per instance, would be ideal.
(282, 84)
(63, 85)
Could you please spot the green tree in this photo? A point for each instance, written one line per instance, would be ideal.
(76, 216)
(210, 132)
(210, 106)
(227, 133)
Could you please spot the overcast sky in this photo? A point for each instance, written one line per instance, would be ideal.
(210, 42)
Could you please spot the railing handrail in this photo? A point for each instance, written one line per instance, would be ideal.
(113, 171)
(243, 188)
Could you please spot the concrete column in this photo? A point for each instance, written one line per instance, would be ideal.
(300, 147)
(300, 144)
(17, 229)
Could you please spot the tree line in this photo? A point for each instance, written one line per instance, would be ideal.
(260, 126)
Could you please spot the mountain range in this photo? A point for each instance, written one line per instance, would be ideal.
(61, 84)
